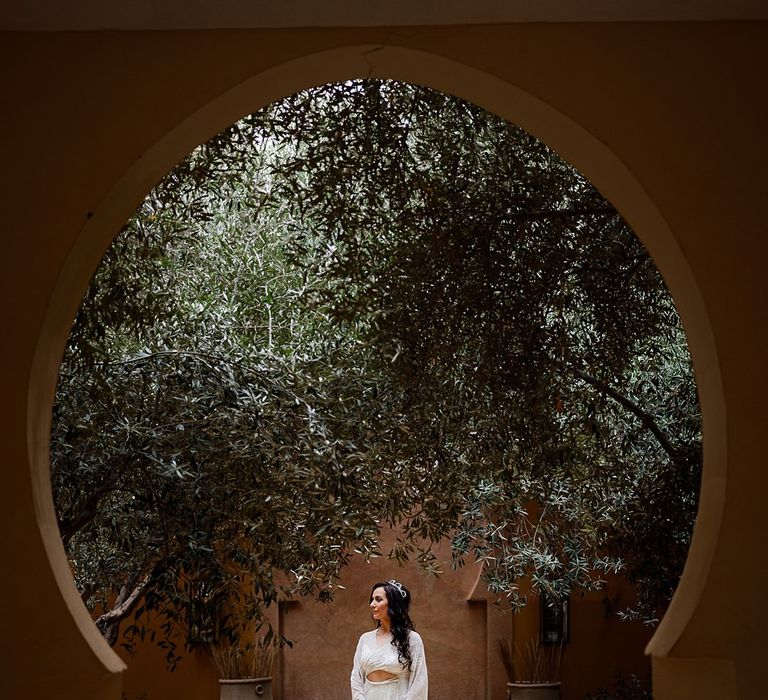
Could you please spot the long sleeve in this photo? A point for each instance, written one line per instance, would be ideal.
(418, 682)
(357, 679)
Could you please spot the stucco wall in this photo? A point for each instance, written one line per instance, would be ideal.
(667, 119)
(457, 620)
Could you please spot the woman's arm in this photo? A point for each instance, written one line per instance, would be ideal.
(357, 679)
(418, 681)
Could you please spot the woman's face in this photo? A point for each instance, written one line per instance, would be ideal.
(379, 605)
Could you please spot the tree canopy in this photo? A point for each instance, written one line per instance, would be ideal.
(371, 303)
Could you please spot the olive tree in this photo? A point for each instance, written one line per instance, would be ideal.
(549, 390)
(371, 303)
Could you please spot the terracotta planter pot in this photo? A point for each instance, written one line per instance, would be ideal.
(245, 688)
(533, 691)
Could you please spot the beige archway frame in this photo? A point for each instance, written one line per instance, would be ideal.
(568, 138)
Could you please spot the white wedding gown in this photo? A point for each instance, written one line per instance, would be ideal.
(372, 656)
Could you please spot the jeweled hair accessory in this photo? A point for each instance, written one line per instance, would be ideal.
(399, 587)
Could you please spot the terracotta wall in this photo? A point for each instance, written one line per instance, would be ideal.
(459, 625)
(667, 119)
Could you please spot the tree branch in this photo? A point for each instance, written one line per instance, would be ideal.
(646, 419)
(68, 527)
(109, 622)
(560, 213)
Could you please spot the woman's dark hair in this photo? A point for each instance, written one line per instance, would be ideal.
(398, 602)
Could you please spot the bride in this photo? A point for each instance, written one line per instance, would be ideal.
(389, 661)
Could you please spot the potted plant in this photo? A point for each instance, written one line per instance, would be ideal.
(533, 669)
(245, 672)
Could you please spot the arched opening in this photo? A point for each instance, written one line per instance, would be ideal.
(593, 158)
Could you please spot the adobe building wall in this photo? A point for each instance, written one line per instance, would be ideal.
(667, 119)
(457, 620)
